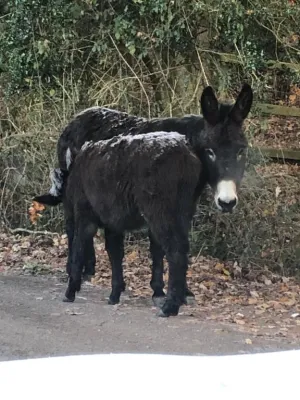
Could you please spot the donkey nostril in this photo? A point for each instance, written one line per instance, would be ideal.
(227, 206)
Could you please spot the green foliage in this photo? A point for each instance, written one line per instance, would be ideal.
(41, 41)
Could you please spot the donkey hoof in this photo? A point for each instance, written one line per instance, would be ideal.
(169, 309)
(69, 296)
(113, 300)
(159, 301)
(87, 278)
(68, 300)
(161, 314)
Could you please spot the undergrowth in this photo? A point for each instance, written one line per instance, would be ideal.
(149, 58)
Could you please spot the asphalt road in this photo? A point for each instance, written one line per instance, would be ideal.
(34, 322)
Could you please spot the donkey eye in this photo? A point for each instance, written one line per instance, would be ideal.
(240, 154)
(211, 154)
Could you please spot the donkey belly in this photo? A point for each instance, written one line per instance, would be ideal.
(116, 218)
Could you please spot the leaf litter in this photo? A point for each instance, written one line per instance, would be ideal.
(252, 300)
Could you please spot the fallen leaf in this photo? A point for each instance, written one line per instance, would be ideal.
(239, 322)
(203, 287)
(131, 256)
(33, 210)
(219, 266)
(248, 341)
(252, 301)
(287, 301)
(254, 293)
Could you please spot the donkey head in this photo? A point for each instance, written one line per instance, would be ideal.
(224, 153)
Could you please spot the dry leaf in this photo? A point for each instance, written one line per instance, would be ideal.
(132, 256)
(239, 322)
(203, 287)
(277, 191)
(226, 272)
(287, 301)
(254, 293)
(219, 266)
(267, 282)
(248, 341)
(252, 301)
(292, 99)
(33, 210)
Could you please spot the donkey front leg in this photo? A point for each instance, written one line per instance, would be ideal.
(157, 281)
(178, 264)
(114, 245)
(176, 246)
(83, 232)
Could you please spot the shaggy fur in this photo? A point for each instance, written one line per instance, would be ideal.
(100, 123)
(217, 138)
(125, 183)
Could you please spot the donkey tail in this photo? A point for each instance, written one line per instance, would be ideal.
(54, 197)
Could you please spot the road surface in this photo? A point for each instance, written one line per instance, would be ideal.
(34, 322)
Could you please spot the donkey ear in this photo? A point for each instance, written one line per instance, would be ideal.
(243, 104)
(209, 106)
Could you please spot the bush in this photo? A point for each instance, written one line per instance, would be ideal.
(264, 230)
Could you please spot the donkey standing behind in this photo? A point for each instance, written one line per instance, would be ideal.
(217, 138)
(124, 182)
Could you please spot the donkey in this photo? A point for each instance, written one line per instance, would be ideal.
(218, 137)
(125, 183)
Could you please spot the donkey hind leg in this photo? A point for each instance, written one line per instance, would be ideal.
(114, 245)
(70, 235)
(157, 282)
(89, 260)
(83, 233)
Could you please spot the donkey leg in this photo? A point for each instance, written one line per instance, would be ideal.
(89, 257)
(83, 232)
(172, 234)
(114, 245)
(89, 260)
(178, 264)
(157, 282)
(70, 235)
